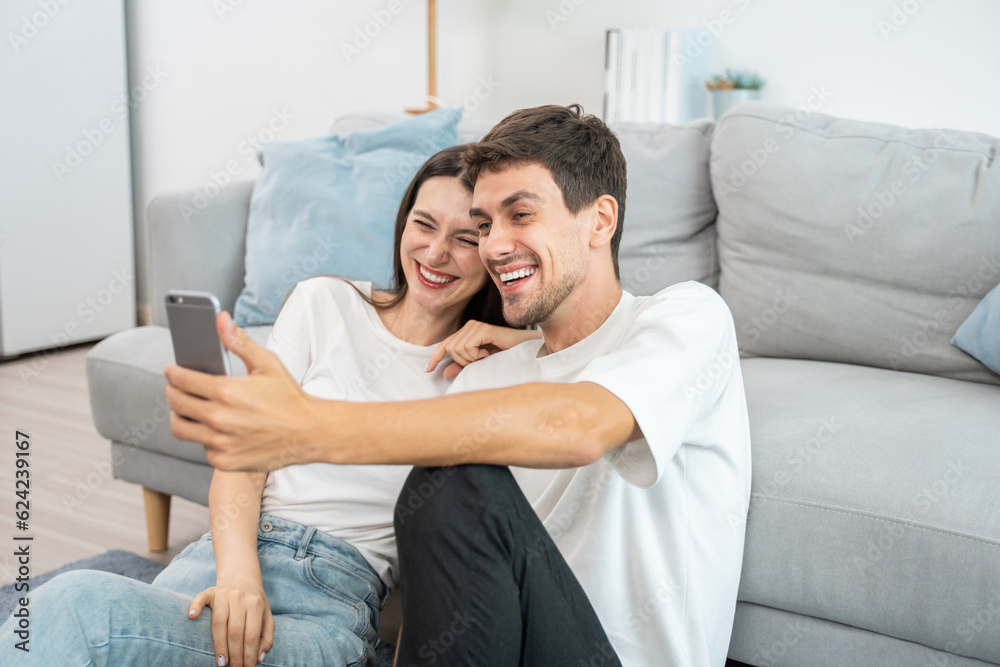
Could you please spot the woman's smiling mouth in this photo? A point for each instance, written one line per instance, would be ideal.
(432, 278)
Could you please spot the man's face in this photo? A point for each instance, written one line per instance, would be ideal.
(535, 250)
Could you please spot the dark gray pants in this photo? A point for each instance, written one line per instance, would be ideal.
(483, 583)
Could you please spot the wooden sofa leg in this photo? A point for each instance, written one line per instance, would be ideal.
(157, 518)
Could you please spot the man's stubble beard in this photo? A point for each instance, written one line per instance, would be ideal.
(543, 305)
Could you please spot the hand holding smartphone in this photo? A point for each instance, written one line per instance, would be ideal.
(192, 316)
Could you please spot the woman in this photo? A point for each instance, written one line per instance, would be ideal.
(300, 561)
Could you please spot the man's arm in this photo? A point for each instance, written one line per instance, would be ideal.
(265, 421)
(538, 425)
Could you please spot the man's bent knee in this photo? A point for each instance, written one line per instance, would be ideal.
(433, 495)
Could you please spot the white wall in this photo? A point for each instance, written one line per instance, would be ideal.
(224, 73)
(941, 67)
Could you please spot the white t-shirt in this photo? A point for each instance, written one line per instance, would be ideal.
(654, 530)
(336, 346)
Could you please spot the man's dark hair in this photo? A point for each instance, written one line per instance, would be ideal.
(580, 151)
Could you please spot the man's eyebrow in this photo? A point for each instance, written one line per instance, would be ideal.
(424, 214)
(518, 196)
(508, 202)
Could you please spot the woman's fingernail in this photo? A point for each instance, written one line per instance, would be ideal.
(221, 660)
(192, 612)
(262, 654)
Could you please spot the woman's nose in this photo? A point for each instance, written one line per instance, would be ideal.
(437, 250)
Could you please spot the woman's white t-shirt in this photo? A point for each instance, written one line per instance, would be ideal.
(336, 346)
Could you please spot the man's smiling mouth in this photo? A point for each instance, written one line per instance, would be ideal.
(511, 277)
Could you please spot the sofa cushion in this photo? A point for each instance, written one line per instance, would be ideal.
(126, 383)
(854, 242)
(328, 205)
(774, 637)
(669, 232)
(979, 334)
(875, 501)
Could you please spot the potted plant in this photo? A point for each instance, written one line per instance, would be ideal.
(733, 87)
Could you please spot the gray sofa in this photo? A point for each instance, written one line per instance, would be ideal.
(849, 253)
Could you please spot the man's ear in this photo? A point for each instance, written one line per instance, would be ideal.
(605, 221)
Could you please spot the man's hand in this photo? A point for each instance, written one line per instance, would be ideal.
(252, 423)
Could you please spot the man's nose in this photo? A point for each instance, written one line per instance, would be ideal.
(498, 243)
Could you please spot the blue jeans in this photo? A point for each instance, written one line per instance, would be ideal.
(324, 596)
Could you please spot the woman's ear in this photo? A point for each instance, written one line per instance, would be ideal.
(605, 221)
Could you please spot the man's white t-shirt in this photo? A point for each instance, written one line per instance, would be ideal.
(654, 530)
(336, 346)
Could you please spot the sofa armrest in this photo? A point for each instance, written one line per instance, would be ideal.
(198, 248)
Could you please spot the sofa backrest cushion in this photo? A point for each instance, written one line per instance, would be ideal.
(854, 242)
(669, 233)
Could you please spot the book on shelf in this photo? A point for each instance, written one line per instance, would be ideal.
(655, 76)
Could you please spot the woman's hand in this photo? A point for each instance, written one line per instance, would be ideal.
(474, 341)
(242, 625)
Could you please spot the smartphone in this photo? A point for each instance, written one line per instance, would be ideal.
(191, 316)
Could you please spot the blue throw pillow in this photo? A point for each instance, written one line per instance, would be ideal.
(979, 334)
(328, 205)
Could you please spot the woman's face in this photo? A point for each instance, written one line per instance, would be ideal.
(440, 247)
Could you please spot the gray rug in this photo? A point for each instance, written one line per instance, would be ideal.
(116, 561)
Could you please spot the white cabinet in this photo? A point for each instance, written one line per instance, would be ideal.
(67, 269)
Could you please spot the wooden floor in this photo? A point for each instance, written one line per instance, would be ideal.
(77, 509)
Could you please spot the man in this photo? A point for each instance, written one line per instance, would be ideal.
(627, 423)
